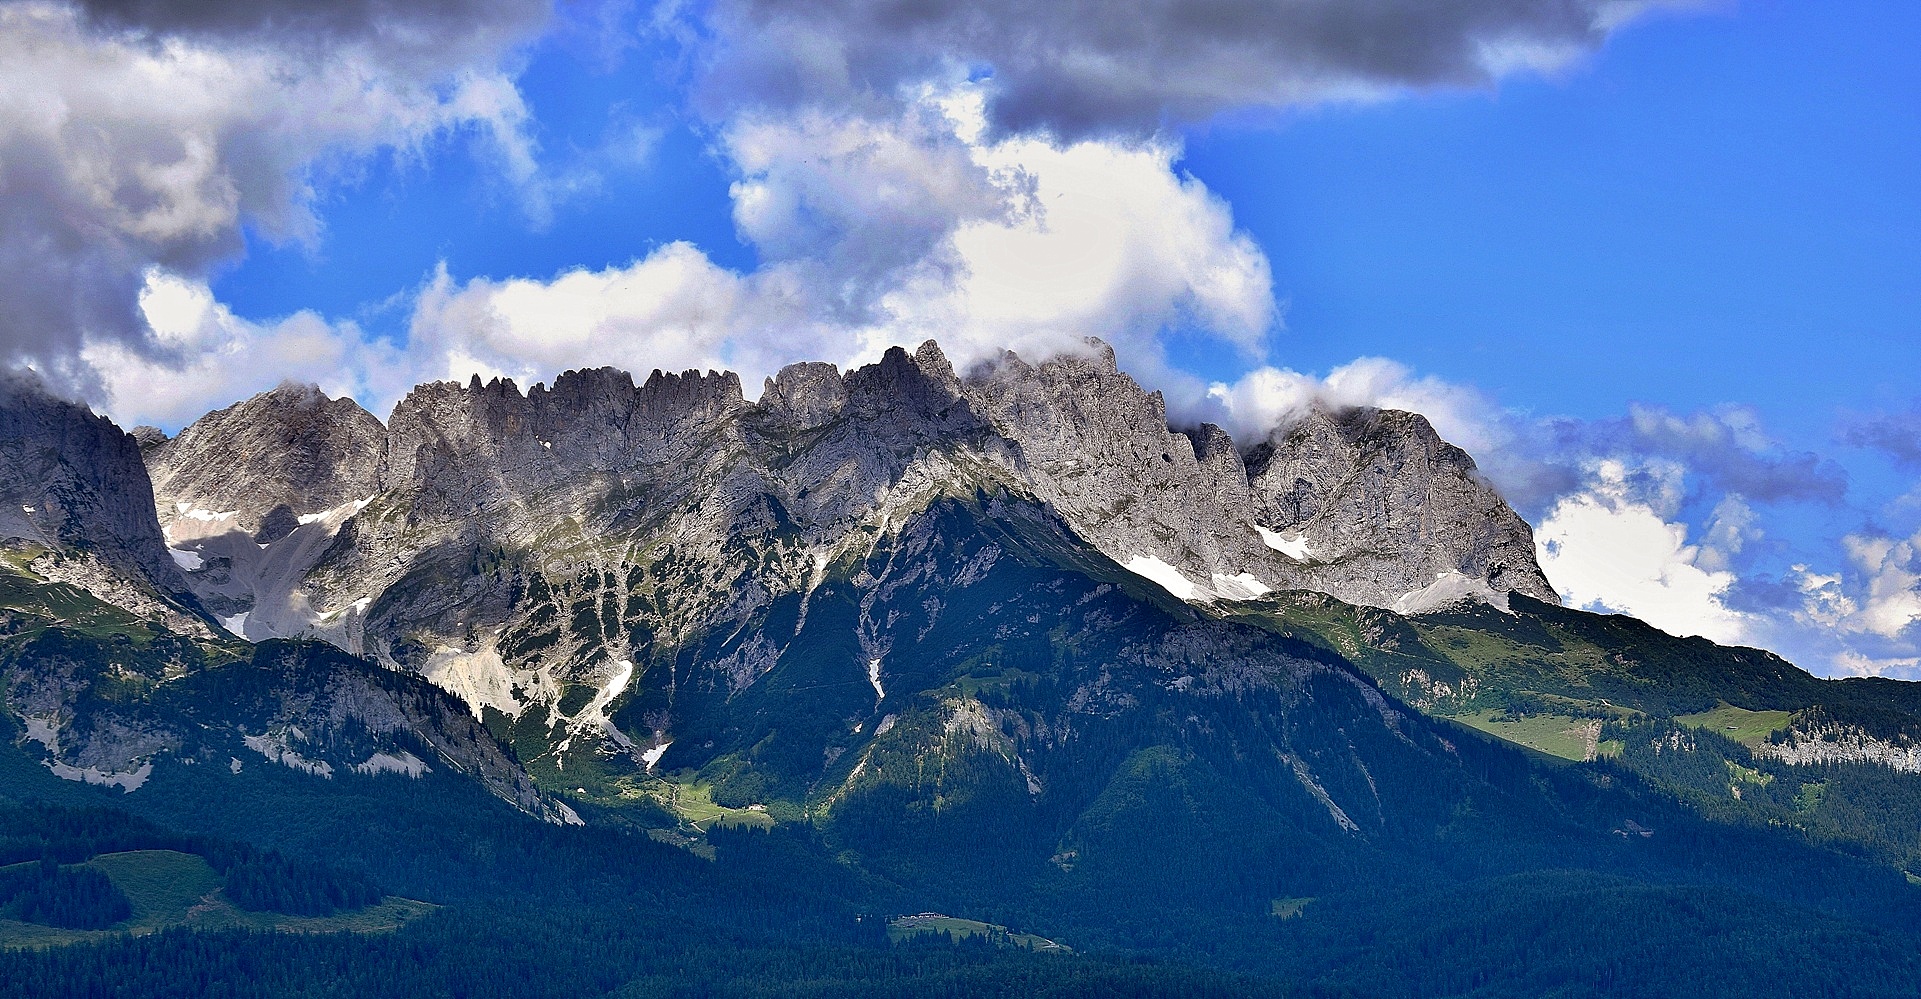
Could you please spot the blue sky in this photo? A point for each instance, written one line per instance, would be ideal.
(1655, 265)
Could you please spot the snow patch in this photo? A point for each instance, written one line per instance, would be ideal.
(595, 713)
(1448, 589)
(338, 514)
(1152, 569)
(1241, 586)
(873, 677)
(236, 624)
(186, 560)
(652, 756)
(1294, 547)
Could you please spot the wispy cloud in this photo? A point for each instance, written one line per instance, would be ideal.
(1896, 434)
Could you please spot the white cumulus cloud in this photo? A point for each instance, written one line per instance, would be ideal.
(205, 357)
(1607, 548)
(881, 231)
(1893, 572)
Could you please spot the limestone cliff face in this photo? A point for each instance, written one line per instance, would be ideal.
(517, 545)
(474, 490)
(1093, 443)
(110, 714)
(1382, 507)
(77, 507)
(566, 556)
(268, 461)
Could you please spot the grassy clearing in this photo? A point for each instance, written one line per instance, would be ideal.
(169, 889)
(694, 803)
(1564, 736)
(165, 887)
(903, 927)
(1501, 662)
(1749, 728)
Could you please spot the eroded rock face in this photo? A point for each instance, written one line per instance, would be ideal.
(108, 714)
(77, 507)
(479, 489)
(515, 545)
(267, 461)
(1382, 508)
(605, 564)
(1097, 446)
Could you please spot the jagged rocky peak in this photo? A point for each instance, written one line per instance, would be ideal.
(148, 437)
(592, 420)
(1388, 512)
(74, 494)
(692, 394)
(1368, 506)
(258, 466)
(1097, 445)
(921, 387)
(803, 396)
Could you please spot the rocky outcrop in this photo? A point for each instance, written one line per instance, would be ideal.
(1817, 737)
(1381, 508)
(107, 714)
(76, 505)
(258, 466)
(753, 500)
(1097, 446)
(597, 565)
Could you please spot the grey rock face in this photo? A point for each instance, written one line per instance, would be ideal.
(519, 545)
(1370, 507)
(75, 500)
(269, 460)
(1384, 508)
(1097, 446)
(298, 705)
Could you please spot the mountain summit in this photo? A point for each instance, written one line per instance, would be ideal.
(1368, 506)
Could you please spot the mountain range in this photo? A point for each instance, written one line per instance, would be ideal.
(1002, 642)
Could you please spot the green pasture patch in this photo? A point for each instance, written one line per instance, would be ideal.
(1749, 728)
(1563, 736)
(167, 889)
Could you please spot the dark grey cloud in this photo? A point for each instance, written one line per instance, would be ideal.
(1898, 435)
(1091, 66)
(1720, 453)
(119, 153)
(1728, 448)
(400, 24)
